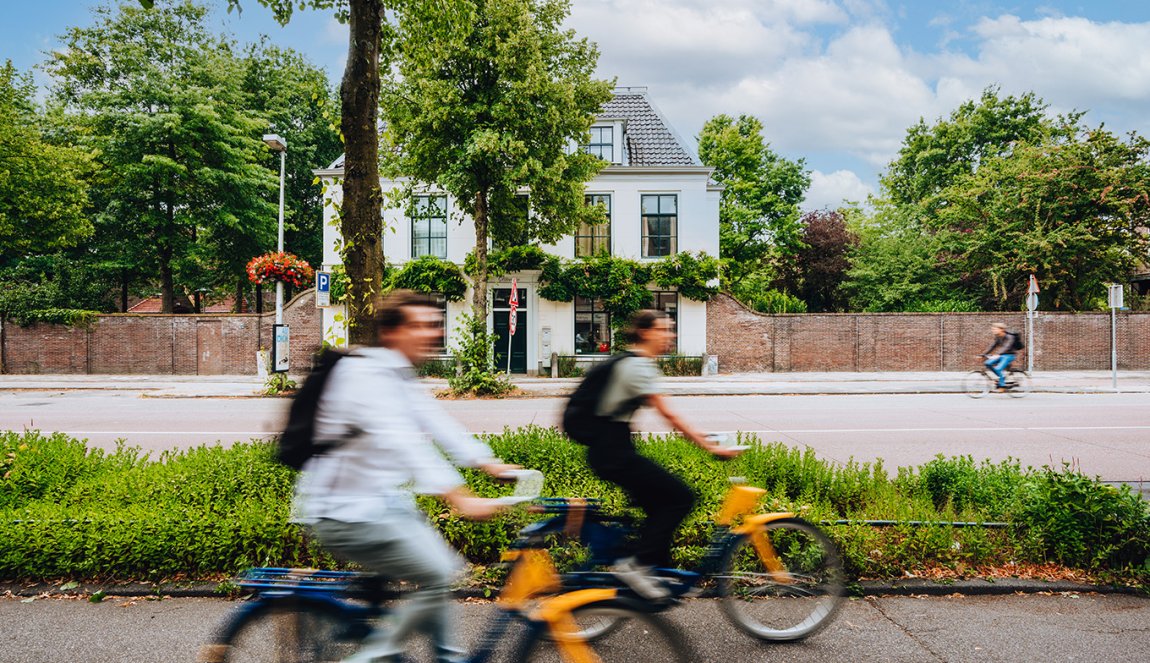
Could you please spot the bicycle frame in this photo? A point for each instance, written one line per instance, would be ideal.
(533, 574)
(604, 537)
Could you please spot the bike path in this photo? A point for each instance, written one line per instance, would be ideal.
(243, 386)
(1052, 627)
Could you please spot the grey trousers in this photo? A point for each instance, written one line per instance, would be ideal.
(402, 545)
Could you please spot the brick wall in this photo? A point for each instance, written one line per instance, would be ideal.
(746, 341)
(126, 343)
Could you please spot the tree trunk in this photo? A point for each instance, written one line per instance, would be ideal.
(360, 219)
(479, 280)
(241, 286)
(124, 291)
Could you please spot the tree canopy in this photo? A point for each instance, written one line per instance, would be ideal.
(492, 109)
(43, 185)
(759, 210)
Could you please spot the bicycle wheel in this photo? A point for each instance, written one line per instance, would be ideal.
(285, 630)
(1021, 384)
(792, 595)
(635, 635)
(594, 624)
(975, 384)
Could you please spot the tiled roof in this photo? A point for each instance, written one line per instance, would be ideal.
(650, 139)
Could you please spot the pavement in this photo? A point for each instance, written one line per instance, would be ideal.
(738, 384)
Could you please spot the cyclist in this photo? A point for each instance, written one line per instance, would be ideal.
(1000, 354)
(358, 498)
(664, 498)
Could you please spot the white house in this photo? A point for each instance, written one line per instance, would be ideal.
(660, 201)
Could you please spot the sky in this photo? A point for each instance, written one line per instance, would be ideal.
(835, 82)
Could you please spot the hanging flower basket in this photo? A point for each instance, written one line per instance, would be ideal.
(284, 267)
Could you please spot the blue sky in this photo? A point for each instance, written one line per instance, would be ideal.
(836, 82)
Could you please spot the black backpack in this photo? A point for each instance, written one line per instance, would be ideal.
(297, 443)
(580, 422)
(1018, 344)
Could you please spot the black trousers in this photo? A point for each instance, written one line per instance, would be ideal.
(661, 495)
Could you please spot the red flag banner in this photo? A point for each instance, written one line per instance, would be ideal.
(514, 307)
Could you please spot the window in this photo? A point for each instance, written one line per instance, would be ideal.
(592, 327)
(660, 220)
(667, 301)
(602, 143)
(429, 226)
(593, 239)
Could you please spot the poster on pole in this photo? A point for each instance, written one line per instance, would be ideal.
(280, 349)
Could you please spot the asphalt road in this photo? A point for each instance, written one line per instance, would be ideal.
(1060, 627)
(1103, 434)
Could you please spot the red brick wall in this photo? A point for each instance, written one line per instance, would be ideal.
(746, 341)
(126, 343)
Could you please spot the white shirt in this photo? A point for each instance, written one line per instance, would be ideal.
(386, 423)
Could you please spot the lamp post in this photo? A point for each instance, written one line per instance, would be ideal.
(280, 357)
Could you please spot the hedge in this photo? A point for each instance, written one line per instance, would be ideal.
(67, 511)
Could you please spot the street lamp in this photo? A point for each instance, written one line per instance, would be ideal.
(280, 357)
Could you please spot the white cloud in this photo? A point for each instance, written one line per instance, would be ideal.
(832, 190)
(830, 78)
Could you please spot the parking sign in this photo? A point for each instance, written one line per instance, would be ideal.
(322, 289)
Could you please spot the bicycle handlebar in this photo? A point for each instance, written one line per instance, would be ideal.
(528, 486)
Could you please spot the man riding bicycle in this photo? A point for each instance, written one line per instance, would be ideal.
(1001, 353)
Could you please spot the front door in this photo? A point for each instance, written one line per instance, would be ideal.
(501, 309)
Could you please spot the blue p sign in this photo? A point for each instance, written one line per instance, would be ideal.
(322, 289)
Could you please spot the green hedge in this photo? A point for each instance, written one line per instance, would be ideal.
(68, 511)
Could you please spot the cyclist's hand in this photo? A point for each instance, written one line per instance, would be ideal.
(499, 470)
(724, 453)
(469, 506)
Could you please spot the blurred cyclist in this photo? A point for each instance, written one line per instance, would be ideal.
(664, 498)
(358, 498)
(1001, 353)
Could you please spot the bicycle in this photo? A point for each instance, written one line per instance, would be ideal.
(307, 615)
(982, 381)
(779, 577)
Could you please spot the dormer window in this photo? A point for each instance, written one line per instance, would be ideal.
(602, 143)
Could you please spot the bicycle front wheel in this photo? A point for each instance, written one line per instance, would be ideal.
(634, 635)
(975, 384)
(285, 629)
(783, 582)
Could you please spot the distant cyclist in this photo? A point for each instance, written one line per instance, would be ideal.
(1001, 353)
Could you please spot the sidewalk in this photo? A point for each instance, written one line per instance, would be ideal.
(241, 386)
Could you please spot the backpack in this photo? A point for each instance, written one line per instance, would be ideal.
(580, 422)
(297, 443)
(1017, 344)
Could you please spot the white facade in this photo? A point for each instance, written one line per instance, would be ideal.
(550, 326)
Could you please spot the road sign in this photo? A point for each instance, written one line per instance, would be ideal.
(1115, 295)
(1033, 288)
(1032, 302)
(322, 289)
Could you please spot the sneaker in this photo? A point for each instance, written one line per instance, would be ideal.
(640, 578)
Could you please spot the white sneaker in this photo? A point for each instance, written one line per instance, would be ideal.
(640, 578)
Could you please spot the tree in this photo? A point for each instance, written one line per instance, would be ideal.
(43, 186)
(897, 264)
(1073, 211)
(820, 264)
(361, 223)
(160, 101)
(932, 157)
(492, 108)
(759, 210)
